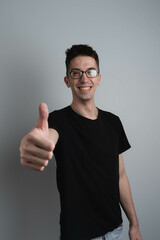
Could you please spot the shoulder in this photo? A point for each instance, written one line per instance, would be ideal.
(59, 113)
(57, 118)
(111, 119)
(108, 115)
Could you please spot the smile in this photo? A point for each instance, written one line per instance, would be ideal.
(84, 88)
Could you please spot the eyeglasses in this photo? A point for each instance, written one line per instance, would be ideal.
(77, 74)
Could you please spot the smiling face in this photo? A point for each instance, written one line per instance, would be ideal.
(83, 89)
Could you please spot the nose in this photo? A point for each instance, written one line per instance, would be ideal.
(84, 78)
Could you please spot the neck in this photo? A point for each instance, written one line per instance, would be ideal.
(86, 110)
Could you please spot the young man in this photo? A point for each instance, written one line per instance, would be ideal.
(88, 145)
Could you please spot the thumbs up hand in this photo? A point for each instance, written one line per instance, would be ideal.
(42, 122)
(37, 146)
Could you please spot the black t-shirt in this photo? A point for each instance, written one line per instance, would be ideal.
(87, 157)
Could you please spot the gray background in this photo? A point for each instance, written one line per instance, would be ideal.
(33, 38)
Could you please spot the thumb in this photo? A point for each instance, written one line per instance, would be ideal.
(42, 122)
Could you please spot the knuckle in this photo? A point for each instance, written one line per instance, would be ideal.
(38, 169)
(25, 148)
(50, 155)
(41, 169)
(46, 163)
(23, 162)
(22, 156)
(52, 146)
(26, 142)
(30, 137)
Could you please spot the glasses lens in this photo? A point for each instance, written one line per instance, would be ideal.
(75, 74)
(91, 73)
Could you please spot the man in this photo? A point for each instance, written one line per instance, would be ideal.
(88, 145)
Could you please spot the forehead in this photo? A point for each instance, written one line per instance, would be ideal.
(82, 62)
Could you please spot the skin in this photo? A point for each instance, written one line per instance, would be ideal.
(37, 146)
(83, 100)
(126, 202)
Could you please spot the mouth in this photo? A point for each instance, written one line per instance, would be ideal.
(85, 89)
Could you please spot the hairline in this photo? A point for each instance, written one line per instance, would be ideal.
(82, 55)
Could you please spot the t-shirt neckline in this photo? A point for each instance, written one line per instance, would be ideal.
(82, 117)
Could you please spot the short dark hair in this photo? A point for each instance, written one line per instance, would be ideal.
(80, 50)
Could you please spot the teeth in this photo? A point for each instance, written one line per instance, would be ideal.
(84, 88)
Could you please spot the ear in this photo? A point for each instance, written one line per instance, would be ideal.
(66, 80)
(99, 79)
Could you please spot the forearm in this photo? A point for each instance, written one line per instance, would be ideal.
(53, 135)
(126, 200)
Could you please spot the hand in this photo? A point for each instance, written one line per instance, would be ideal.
(134, 233)
(37, 147)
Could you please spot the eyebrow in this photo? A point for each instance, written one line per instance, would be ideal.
(81, 70)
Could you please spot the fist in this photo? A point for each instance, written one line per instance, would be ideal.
(36, 148)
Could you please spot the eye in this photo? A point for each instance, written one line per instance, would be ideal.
(92, 73)
(75, 74)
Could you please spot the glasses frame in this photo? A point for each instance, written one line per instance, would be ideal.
(81, 73)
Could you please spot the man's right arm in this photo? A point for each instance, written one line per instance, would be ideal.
(36, 148)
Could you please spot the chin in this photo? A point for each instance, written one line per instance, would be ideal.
(86, 98)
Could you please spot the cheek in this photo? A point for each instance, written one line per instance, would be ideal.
(97, 83)
(73, 88)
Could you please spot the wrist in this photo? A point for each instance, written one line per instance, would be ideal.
(134, 224)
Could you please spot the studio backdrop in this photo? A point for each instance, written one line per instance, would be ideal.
(33, 38)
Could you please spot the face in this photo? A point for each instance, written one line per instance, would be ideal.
(83, 89)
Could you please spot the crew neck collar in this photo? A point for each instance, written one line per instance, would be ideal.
(81, 116)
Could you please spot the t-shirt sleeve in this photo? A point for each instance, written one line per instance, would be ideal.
(53, 121)
(124, 144)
